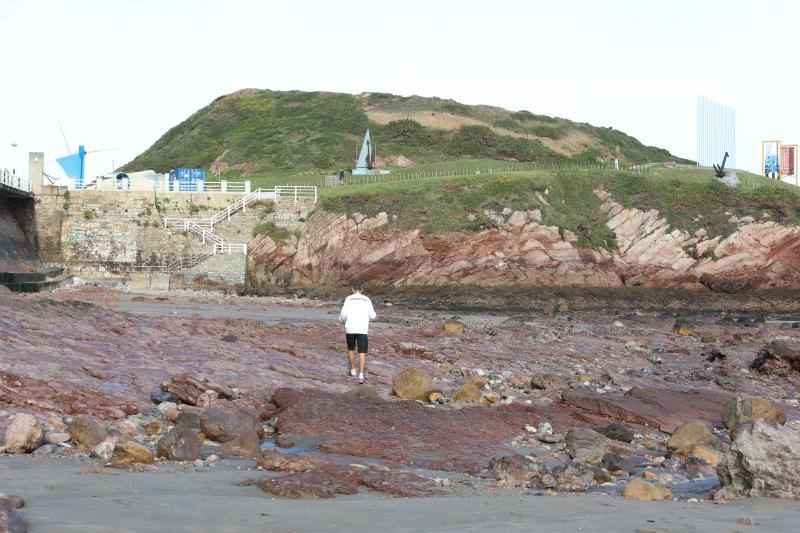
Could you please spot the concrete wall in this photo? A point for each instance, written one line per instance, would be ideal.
(228, 268)
(102, 232)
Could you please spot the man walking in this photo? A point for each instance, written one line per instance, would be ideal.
(356, 313)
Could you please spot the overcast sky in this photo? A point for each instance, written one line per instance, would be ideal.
(118, 74)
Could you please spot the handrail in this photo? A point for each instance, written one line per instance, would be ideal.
(204, 227)
(15, 182)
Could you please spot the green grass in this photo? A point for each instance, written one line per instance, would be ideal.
(285, 133)
(460, 204)
(269, 229)
(688, 197)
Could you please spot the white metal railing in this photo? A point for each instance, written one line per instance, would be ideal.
(10, 179)
(228, 186)
(230, 249)
(202, 232)
(295, 193)
(173, 266)
(204, 227)
(163, 184)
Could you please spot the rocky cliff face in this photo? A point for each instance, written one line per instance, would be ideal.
(523, 251)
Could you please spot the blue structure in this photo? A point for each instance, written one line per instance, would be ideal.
(74, 166)
(187, 179)
(366, 159)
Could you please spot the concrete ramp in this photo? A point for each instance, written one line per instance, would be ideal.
(149, 283)
(17, 254)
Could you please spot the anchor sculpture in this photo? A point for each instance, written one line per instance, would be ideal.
(720, 169)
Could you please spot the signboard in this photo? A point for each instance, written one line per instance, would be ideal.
(770, 159)
(789, 161)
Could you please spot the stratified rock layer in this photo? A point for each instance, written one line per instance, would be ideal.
(523, 251)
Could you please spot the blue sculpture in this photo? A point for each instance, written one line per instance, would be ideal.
(366, 159)
(74, 166)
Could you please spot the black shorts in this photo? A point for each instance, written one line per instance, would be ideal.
(360, 339)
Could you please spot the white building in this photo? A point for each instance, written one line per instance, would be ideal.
(716, 133)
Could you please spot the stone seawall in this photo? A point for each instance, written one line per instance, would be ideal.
(97, 233)
(225, 268)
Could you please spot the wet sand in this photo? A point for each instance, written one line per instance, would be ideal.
(63, 499)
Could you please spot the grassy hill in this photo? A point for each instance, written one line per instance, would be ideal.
(254, 132)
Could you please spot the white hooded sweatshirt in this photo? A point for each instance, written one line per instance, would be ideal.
(356, 313)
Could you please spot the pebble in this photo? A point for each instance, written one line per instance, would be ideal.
(167, 406)
(45, 449)
(56, 437)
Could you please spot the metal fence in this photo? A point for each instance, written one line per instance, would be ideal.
(463, 171)
(11, 179)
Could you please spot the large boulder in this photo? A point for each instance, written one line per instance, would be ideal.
(764, 460)
(180, 444)
(245, 445)
(128, 453)
(222, 425)
(467, 393)
(191, 388)
(779, 357)
(10, 519)
(639, 489)
(190, 420)
(616, 431)
(412, 384)
(576, 477)
(546, 381)
(691, 434)
(585, 445)
(85, 432)
(454, 325)
(742, 409)
(23, 434)
(515, 468)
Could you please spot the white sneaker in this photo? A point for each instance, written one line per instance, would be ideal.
(360, 378)
(353, 373)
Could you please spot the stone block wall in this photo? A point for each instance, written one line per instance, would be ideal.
(226, 268)
(102, 232)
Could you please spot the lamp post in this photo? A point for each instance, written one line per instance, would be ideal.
(14, 146)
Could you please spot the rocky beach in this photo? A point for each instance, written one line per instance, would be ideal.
(598, 408)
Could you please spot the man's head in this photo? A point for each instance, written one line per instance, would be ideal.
(357, 286)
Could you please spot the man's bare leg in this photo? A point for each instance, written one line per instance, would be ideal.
(362, 362)
(351, 357)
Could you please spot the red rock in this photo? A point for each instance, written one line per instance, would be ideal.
(180, 444)
(243, 445)
(223, 425)
(665, 409)
(189, 388)
(328, 481)
(10, 520)
(778, 357)
(276, 461)
(408, 432)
